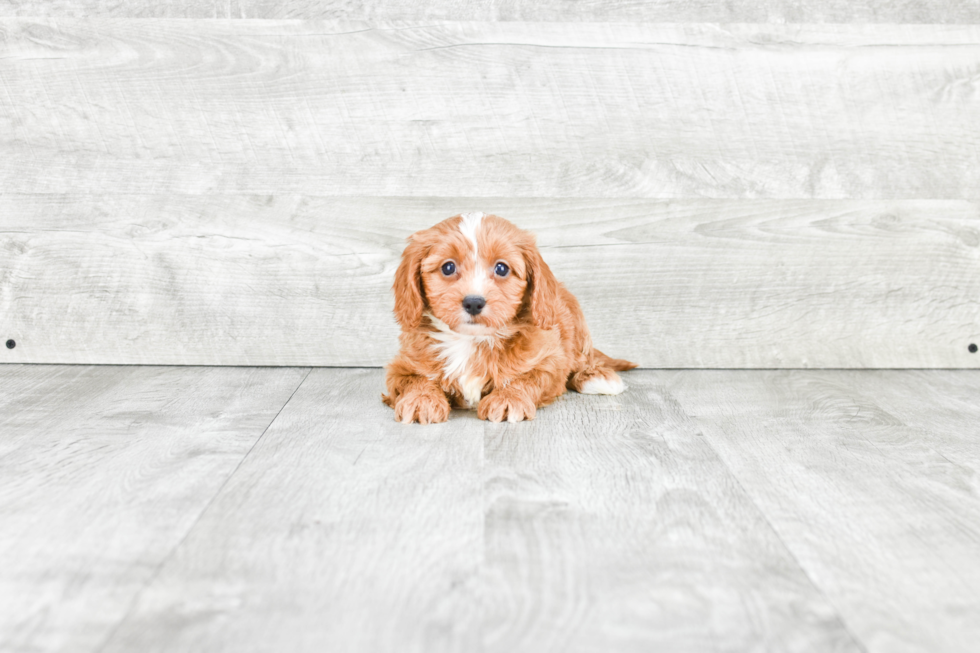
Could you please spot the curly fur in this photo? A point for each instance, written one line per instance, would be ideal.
(528, 344)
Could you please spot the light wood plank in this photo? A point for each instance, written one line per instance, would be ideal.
(102, 472)
(671, 11)
(342, 531)
(302, 280)
(608, 526)
(608, 523)
(870, 479)
(613, 526)
(490, 109)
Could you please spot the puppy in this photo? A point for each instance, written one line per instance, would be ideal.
(486, 326)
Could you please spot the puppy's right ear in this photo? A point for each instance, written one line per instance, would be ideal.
(409, 293)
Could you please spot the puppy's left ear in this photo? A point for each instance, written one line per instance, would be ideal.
(542, 289)
(409, 293)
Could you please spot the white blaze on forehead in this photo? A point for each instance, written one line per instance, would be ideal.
(469, 226)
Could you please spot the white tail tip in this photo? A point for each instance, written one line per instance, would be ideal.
(601, 385)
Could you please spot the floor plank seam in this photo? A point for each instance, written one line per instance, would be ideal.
(792, 554)
(163, 563)
(703, 433)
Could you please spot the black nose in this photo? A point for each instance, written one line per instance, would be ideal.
(473, 304)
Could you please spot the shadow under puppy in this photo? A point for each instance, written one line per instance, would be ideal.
(486, 325)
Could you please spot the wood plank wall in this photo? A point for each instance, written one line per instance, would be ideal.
(738, 186)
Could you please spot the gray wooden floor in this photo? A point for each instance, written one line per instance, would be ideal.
(281, 509)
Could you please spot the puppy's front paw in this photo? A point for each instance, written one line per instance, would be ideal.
(504, 404)
(424, 407)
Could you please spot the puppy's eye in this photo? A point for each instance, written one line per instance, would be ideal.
(501, 269)
(448, 268)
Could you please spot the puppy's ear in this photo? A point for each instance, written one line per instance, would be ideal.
(542, 289)
(409, 293)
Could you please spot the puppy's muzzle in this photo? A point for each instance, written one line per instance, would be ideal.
(473, 304)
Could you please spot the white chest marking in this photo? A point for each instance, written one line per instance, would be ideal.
(472, 390)
(456, 350)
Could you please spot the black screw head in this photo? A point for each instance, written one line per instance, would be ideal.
(972, 348)
(11, 344)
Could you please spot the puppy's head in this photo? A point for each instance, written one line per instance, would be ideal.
(476, 273)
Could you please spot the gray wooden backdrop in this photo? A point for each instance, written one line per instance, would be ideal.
(763, 184)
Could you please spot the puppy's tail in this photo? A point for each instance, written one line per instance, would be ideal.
(617, 364)
(600, 378)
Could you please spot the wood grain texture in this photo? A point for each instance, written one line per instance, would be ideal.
(342, 531)
(102, 472)
(870, 478)
(736, 11)
(601, 526)
(613, 526)
(498, 109)
(700, 511)
(302, 280)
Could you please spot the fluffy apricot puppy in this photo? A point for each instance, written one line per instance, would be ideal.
(486, 326)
